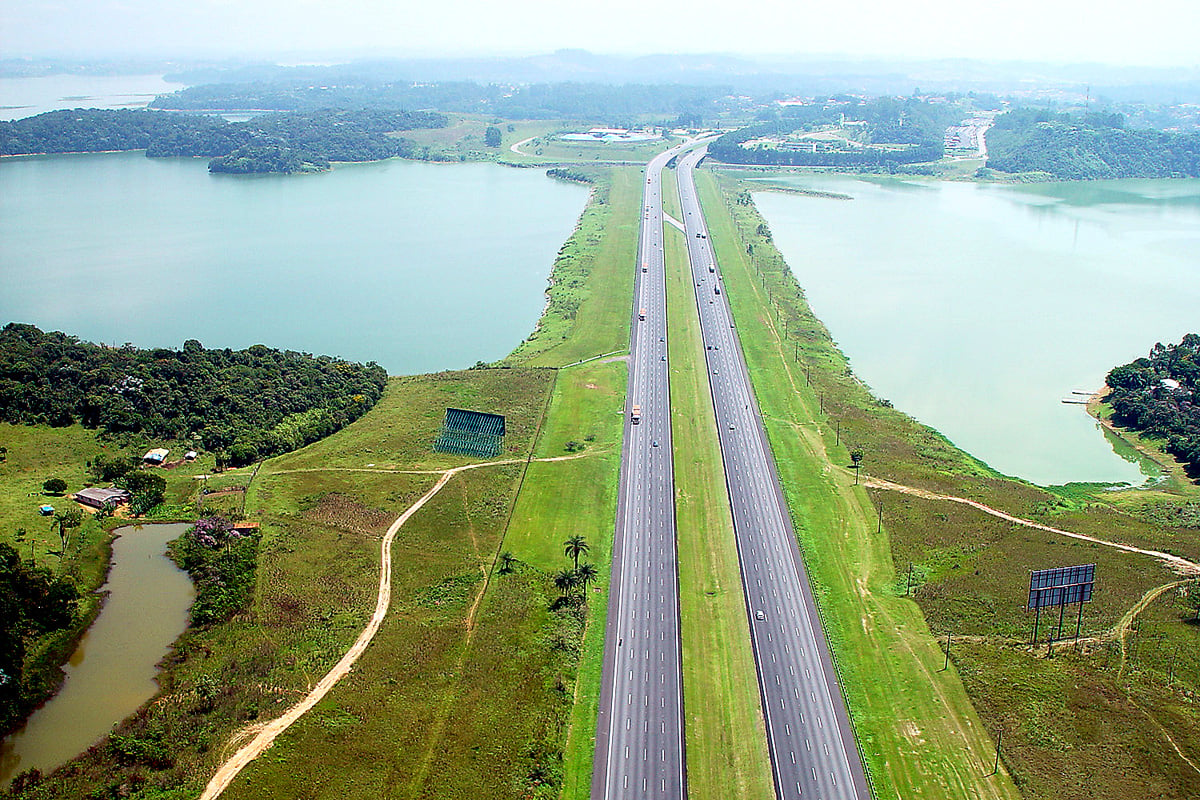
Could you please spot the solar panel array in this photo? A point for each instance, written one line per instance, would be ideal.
(471, 433)
(1061, 586)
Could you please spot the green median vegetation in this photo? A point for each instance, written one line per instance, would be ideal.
(726, 738)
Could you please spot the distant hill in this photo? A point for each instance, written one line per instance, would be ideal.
(1090, 146)
(290, 142)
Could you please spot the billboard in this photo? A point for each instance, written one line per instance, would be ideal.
(1061, 586)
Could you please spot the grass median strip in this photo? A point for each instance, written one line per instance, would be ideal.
(726, 739)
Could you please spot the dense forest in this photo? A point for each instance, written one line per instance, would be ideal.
(890, 121)
(33, 601)
(1090, 146)
(1160, 395)
(242, 404)
(283, 142)
(617, 104)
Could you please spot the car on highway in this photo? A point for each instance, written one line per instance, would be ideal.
(759, 614)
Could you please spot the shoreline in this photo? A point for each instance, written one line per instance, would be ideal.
(1153, 455)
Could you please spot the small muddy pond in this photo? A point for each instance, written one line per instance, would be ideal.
(113, 670)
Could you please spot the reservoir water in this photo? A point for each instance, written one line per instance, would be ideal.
(112, 671)
(25, 97)
(420, 267)
(978, 308)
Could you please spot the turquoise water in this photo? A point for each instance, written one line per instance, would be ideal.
(978, 308)
(420, 267)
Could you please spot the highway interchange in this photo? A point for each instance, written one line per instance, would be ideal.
(640, 735)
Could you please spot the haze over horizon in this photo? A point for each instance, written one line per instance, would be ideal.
(1163, 33)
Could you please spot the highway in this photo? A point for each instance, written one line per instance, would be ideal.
(811, 743)
(639, 730)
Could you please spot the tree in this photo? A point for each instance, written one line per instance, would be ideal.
(147, 488)
(574, 548)
(491, 136)
(54, 486)
(856, 457)
(506, 562)
(586, 574)
(564, 581)
(66, 521)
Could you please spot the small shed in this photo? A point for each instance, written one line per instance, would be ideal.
(156, 456)
(46, 511)
(190, 455)
(99, 498)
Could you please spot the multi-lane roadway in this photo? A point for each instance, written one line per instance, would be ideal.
(811, 744)
(639, 733)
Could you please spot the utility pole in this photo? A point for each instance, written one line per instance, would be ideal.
(949, 637)
(879, 528)
(999, 739)
(908, 589)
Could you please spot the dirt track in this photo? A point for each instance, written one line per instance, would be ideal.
(1177, 563)
(264, 735)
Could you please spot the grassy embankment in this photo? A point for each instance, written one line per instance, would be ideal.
(889, 663)
(1077, 725)
(464, 692)
(588, 315)
(726, 738)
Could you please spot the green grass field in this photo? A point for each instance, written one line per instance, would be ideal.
(547, 147)
(592, 280)
(442, 678)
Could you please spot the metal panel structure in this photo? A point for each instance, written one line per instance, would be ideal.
(471, 433)
(1061, 586)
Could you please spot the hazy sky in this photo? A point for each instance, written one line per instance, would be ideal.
(1145, 32)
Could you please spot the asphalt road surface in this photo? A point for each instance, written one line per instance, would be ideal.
(812, 746)
(639, 732)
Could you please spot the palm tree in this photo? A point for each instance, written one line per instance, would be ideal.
(575, 547)
(586, 574)
(66, 521)
(564, 581)
(506, 561)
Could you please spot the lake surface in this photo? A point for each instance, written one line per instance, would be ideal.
(977, 308)
(113, 670)
(420, 267)
(25, 97)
